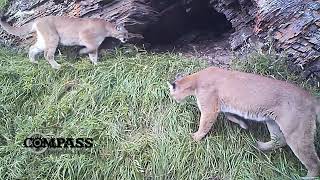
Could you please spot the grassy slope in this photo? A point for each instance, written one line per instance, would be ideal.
(138, 131)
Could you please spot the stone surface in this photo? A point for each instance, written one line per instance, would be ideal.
(292, 26)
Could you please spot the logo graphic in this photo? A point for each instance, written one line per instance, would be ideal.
(39, 143)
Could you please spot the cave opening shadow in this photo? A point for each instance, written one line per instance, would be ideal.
(178, 20)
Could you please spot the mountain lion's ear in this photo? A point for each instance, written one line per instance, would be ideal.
(172, 86)
(179, 76)
(120, 27)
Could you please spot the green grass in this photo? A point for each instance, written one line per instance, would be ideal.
(3, 3)
(273, 66)
(139, 132)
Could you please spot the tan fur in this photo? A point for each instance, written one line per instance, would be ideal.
(69, 31)
(288, 110)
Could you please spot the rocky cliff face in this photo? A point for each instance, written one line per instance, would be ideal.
(291, 26)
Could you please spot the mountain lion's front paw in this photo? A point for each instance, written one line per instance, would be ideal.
(196, 136)
(56, 66)
(34, 62)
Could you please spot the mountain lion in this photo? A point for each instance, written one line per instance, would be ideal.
(288, 111)
(69, 31)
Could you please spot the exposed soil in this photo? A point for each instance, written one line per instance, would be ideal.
(214, 48)
(199, 31)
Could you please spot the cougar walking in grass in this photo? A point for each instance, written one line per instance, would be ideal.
(288, 111)
(69, 31)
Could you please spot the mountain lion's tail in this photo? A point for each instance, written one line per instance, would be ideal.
(17, 31)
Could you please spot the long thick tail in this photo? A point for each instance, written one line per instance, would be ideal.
(17, 31)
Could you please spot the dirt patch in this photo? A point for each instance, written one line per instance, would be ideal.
(210, 46)
(194, 30)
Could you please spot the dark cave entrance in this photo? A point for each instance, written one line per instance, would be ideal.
(179, 20)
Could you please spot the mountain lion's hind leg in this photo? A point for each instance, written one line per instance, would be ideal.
(300, 138)
(277, 138)
(33, 51)
(237, 120)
